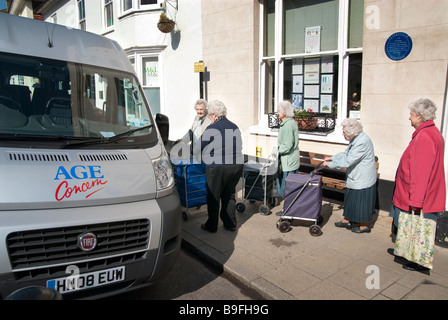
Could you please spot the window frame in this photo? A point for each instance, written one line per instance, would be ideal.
(137, 60)
(106, 5)
(136, 6)
(81, 19)
(343, 52)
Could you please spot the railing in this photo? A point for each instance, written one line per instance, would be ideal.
(325, 124)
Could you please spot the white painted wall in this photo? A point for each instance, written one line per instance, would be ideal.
(180, 49)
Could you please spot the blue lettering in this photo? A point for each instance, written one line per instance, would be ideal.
(83, 173)
(93, 172)
(61, 170)
(79, 173)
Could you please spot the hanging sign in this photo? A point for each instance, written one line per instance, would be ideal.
(398, 46)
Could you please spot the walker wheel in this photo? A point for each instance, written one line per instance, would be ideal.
(283, 226)
(184, 215)
(320, 220)
(264, 210)
(240, 207)
(315, 230)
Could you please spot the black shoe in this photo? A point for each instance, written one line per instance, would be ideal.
(359, 230)
(391, 251)
(414, 267)
(341, 224)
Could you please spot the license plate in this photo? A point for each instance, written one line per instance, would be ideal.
(88, 280)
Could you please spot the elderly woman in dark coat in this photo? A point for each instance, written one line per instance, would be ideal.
(220, 148)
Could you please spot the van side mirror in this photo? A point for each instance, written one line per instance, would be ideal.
(163, 124)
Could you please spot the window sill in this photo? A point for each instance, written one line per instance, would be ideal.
(332, 137)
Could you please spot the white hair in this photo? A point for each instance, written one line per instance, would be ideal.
(424, 107)
(217, 108)
(352, 127)
(287, 108)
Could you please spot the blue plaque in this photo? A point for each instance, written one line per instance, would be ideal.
(398, 46)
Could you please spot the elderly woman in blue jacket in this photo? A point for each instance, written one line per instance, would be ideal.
(360, 193)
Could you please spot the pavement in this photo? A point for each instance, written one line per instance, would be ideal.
(295, 265)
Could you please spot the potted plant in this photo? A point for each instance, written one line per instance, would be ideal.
(165, 24)
(305, 119)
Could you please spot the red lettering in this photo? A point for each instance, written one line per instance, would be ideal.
(63, 191)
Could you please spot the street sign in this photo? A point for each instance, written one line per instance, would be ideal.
(199, 66)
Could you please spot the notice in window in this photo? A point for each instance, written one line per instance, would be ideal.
(311, 75)
(311, 105)
(312, 39)
(297, 83)
(325, 103)
(327, 83)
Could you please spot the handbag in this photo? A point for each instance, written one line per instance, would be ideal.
(416, 239)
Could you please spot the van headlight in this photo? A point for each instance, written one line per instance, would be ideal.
(164, 175)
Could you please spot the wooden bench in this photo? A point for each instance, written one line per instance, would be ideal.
(333, 179)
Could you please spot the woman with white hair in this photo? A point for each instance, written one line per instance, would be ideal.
(420, 178)
(288, 144)
(360, 192)
(200, 123)
(220, 148)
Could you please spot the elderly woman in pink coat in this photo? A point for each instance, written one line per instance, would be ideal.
(420, 178)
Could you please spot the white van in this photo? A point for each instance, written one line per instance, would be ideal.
(87, 199)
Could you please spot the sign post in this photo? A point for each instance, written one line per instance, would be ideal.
(199, 68)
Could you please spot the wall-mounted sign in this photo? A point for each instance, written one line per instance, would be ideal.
(199, 66)
(398, 46)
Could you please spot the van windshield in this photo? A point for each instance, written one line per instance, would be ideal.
(48, 100)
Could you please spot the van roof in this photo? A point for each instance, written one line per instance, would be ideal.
(32, 37)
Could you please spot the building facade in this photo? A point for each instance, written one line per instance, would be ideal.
(339, 58)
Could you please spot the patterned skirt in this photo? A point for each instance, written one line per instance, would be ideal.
(359, 205)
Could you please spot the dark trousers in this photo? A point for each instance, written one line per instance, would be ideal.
(221, 184)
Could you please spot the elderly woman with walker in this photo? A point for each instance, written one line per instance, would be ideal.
(360, 193)
(288, 144)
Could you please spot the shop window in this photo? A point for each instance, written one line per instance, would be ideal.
(151, 81)
(311, 85)
(269, 30)
(299, 19)
(317, 60)
(354, 86)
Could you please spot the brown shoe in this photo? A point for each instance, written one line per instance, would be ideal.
(204, 227)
